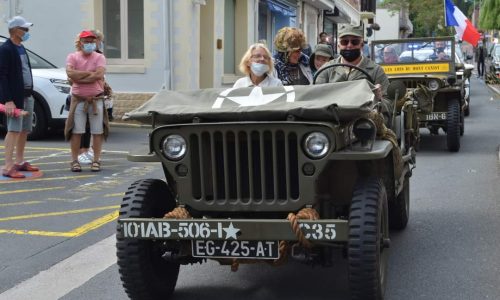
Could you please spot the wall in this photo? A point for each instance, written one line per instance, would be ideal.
(389, 25)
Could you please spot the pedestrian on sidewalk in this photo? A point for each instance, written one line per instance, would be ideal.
(480, 56)
(86, 68)
(86, 153)
(16, 87)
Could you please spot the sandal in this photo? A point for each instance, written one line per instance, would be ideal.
(96, 166)
(26, 166)
(75, 166)
(13, 173)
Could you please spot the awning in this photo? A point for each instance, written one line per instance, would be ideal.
(321, 4)
(349, 11)
(279, 8)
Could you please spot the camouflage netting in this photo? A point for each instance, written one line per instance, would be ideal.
(491, 78)
(387, 134)
(424, 98)
(289, 39)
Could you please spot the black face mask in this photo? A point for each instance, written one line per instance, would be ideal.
(350, 55)
(440, 49)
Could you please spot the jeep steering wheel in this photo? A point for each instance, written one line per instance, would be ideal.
(370, 79)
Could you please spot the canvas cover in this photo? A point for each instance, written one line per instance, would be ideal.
(324, 102)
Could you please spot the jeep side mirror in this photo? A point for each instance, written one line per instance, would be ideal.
(459, 66)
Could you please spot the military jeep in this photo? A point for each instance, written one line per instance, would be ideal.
(428, 68)
(303, 173)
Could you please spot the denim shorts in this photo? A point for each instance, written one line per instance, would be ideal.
(95, 119)
(23, 123)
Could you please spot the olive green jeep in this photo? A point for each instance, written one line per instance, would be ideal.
(434, 75)
(304, 173)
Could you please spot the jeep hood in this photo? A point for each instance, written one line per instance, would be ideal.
(341, 101)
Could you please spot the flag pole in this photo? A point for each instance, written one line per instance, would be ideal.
(444, 11)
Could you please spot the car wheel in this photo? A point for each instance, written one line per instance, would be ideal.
(39, 129)
(368, 240)
(143, 271)
(453, 126)
(462, 122)
(399, 210)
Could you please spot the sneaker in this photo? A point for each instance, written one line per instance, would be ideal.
(90, 154)
(85, 159)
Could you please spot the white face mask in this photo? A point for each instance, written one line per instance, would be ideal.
(259, 69)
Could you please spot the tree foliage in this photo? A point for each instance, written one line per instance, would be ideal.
(427, 16)
(489, 17)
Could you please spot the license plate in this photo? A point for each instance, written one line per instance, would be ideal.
(236, 249)
(435, 116)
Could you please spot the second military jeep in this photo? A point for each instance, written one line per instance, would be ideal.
(265, 175)
(429, 69)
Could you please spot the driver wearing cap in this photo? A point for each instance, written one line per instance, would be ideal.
(350, 44)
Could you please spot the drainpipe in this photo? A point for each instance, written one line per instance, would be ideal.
(168, 29)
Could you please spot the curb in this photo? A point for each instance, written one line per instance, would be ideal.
(495, 88)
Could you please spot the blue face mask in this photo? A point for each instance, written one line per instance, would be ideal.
(259, 69)
(26, 36)
(89, 47)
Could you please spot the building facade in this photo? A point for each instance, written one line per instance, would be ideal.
(152, 45)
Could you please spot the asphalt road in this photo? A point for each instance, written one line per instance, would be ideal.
(448, 251)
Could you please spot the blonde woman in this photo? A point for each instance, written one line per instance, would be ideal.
(257, 65)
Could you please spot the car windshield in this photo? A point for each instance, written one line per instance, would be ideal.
(36, 61)
(412, 52)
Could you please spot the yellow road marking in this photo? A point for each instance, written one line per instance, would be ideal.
(95, 224)
(47, 179)
(59, 213)
(31, 190)
(114, 195)
(36, 232)
(83, 167)
(68, 162)
(20, 203)
(73, 233)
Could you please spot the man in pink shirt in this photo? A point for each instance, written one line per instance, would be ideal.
(85, 68)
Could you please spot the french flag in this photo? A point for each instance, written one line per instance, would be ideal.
(464, 28)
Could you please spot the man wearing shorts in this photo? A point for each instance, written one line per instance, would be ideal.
(85, 68)
(16, 86)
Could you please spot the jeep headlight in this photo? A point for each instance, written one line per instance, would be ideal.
(316, 145)
(61, 85)
(433, 85)
(174, 147)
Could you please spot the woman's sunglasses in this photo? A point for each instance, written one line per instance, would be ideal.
(354, 42)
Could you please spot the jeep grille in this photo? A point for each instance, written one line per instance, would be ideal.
(244, 165)
(412, 84)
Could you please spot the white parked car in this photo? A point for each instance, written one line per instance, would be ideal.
(50, 88)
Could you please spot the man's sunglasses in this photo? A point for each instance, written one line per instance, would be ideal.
(354, 42)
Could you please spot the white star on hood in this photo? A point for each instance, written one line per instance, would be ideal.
(231, 231)
(255, 98)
